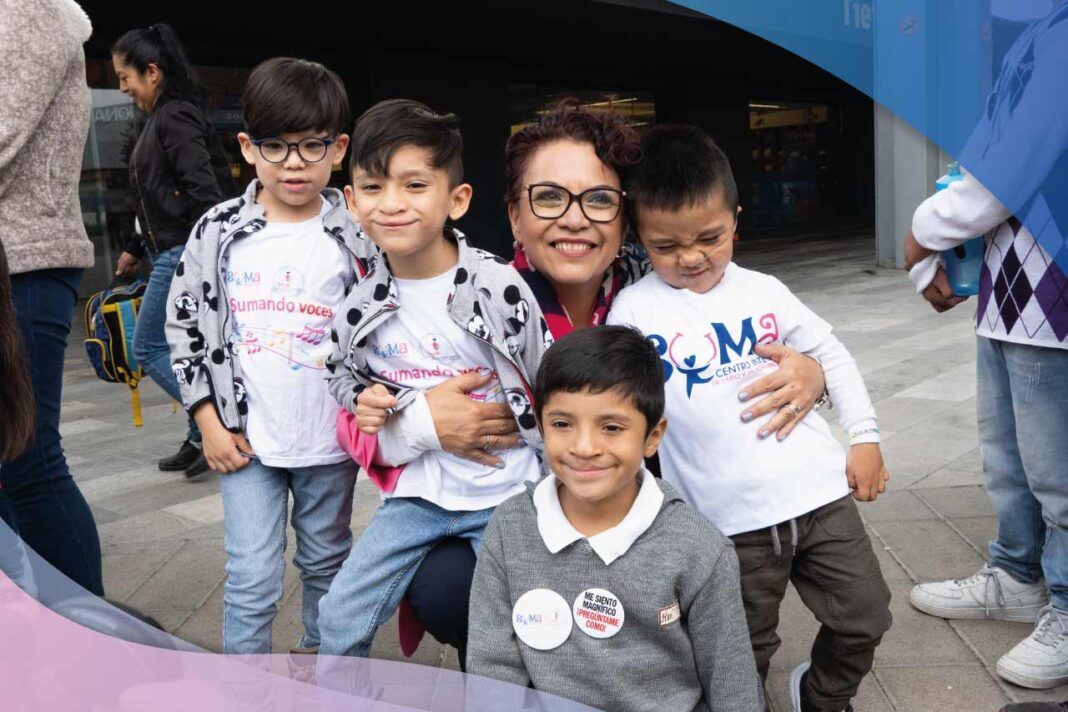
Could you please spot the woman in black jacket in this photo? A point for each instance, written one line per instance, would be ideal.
(178, 171)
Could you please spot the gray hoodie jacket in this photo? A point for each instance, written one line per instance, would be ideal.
(490, 301)
(199, 325)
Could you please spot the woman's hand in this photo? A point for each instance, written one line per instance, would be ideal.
(468, 428)
(798, 383)
(127, 265)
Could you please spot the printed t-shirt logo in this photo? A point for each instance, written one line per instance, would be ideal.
(438, 348)
(719, 355)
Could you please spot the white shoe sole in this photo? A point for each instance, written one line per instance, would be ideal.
(1019, 614)
(1033, 683)
(795, 685)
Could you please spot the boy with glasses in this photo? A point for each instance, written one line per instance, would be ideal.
(785, 502)
(248, 322)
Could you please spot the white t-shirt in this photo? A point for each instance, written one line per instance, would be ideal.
(283, 285)
(421, 346)
(717, 462)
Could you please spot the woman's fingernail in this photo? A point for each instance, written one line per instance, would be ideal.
(743, 396)
(781, 436)
(499, 465)
(763, 434)
(747, 416)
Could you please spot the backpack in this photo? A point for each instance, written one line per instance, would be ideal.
(110, 317)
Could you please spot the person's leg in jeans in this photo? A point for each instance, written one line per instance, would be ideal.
(372, 581)
(50, 512)
(1010, 585)
(322, 513)
(1017, 548)
(1038, 379)
(150, 342)
(13, 560)
(255, 499)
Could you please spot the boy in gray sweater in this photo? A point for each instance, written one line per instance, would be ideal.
(599, 584)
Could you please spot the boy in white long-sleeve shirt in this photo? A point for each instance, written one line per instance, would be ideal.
(705, 314)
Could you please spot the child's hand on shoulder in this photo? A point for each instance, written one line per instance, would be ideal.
(371, 407)
(866, 472)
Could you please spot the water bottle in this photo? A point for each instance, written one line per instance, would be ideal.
(964, 262)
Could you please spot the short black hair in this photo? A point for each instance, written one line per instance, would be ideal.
(605, 358)
(289, 95)
(681, 166)
(395, 123)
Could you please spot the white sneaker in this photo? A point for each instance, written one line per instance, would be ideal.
(1040, 660)
(795, 685)
(989, 593)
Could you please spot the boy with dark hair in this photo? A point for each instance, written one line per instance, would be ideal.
(601, 546)
(248, 317)
(431, 308)
(704, 314)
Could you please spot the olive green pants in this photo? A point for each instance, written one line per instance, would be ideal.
(837, 576)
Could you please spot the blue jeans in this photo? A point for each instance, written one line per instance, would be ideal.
(254, 522)
(371, 584)
(13, 560)
(47, 508)
(1023, 432)
(150, 341)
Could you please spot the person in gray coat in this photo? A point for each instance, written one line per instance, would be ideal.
(44, 121)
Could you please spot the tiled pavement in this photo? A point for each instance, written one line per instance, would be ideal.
(162, 536)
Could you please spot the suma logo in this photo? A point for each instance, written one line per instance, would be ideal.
(697, 357)
(396, 350)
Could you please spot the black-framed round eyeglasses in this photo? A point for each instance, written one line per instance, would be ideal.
(310, 149)
(549, 202)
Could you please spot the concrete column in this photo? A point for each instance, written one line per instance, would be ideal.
(906, 168)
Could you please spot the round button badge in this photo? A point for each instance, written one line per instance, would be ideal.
(542, 619)
(598, 613)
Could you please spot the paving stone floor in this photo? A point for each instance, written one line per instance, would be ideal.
(162, 535)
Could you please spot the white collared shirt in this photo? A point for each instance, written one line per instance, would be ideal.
(557, 532)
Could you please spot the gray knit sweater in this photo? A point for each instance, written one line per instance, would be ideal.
(44, 119)
(699, 660)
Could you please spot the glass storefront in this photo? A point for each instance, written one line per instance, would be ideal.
(792, 153)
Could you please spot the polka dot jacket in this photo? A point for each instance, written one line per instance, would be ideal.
(199, 324)
(489, 300)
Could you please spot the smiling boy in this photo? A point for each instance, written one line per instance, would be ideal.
(432, 307)
(600, 584)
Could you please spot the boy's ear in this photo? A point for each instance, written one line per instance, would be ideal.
(460, 200)
(656, 434)
(350, 201)
(340, 145)
(247, 149)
